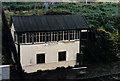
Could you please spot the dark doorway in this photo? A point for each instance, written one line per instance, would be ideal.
(62, 56)
(40, 58)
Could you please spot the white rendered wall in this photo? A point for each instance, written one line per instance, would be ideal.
(12, 30)
(12, 33)
(28, 55)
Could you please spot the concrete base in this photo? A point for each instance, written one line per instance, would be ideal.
(48, 66)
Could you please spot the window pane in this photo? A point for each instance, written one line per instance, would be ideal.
(23, 38)
(65, 35)
(37, 38)
(77, 34)
(34, 35)
(20, 38)
(71, 35)
(29, 37)
(60, 36)
(54, 36)
(42, 37)
(48, 36)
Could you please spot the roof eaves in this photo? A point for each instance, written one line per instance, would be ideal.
(86, 21)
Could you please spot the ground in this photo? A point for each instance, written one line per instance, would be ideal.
(94, 72)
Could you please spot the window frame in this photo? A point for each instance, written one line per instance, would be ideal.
(66, 35)
(71, 34)
(60, 36)
(51, 36)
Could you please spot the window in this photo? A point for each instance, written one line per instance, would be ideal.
(22, 37)
(77, 34)
(71, 35)
(15, 37)
(54, 36)
(40, 58)
(48, 36)
(29, 37)
(42, 37)
(65, 35)
(60, 36)
(62, 56)
(37, 37)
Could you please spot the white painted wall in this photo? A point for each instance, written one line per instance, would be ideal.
(12, 30)
(28, 53)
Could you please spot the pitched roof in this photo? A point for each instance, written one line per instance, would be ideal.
(49, 23)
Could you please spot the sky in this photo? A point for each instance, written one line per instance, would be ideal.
(57, 0)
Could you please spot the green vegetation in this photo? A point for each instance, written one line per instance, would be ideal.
(102, 17)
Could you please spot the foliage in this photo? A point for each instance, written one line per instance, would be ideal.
(17, 6)
(51, 12)
(113, 43)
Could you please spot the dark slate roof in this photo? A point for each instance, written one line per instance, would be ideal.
(49, 23)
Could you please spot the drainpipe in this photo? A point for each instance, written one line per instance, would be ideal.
(18, 46)
(80, 51)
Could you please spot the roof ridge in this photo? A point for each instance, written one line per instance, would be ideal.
(42, 15)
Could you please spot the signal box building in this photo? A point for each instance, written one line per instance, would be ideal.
(48, 41)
